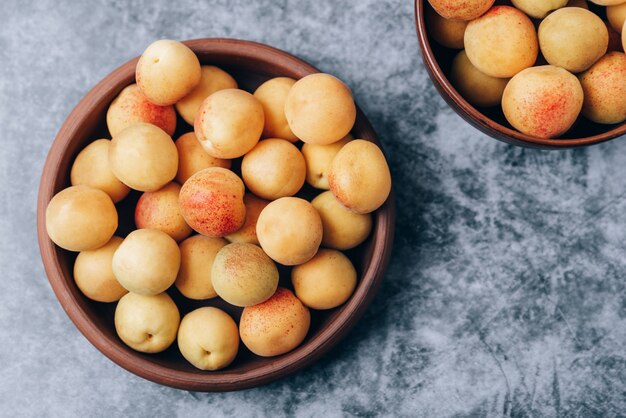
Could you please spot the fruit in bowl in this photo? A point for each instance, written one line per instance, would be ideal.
(159, 271)
(491, 66)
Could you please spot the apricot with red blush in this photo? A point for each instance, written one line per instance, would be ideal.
(542, 101)
(131, 106)
(211, 202)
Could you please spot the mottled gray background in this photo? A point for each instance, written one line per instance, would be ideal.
(505, 294)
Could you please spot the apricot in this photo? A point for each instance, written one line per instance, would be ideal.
(143, 157)
(325, 281)
(318, 159)
(466, 10)
(197, 254)
(274, 168)
(542, 101)
(229, 123)
(91, 168)
(343, 229)
(131, 106)
(273, 94)
(94, 276)
(243, 275)
(607, 2)
(539, 8)
(147, 323)
(573, 38)
(476, 87)
(616, 15)
(502, 42)
(359, 176)
(446, 32)
(211, 202)
(167, 71)
(247, 233)
(275, 326)
(212, 79)
(320, 109)
(81, 218)
(208, 338)
(160, 210)
(147, 262)
(289, 230)
(193, 158)
(604, 85)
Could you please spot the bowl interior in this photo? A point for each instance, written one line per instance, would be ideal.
(438, 60)
(250, 64)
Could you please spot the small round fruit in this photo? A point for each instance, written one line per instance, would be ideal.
(325, 281)
(243, 275)
(167, 71)
(94, 276)
(446, 32)
(476, 87)
(607, 2)
(542, 101)
(247, 233)
(320, 109)
(343, 229)
(143, 157)
(81, 218)
(604, 85)
(208, 338)
(196, 260)
(318, 159)
(502, 42)
(91, 168)
(275, 326)
(131, 106)
(160, 210)
(359, 176)
(147, 262)
(274, 168)
(289, 230)
(616, 15)
(147, 323)
(465, 10)
(211, 202)
(229, 123)
(272, 94)
(539, 8)
(193, 158)
(573, 38)
(212, 79)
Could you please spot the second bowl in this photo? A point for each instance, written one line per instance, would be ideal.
(491, 121)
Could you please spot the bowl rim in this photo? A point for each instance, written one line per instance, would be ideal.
(223, 380)
(483, 123)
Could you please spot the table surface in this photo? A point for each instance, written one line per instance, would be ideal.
(505, 294)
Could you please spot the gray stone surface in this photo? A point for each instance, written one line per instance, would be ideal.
(505, 295)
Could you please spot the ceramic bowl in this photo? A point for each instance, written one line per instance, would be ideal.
(491, 121)
(251, 64)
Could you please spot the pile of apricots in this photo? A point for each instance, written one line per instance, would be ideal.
(546, 62)
(210, 231)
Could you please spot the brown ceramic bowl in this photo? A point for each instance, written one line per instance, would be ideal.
(251, 64)
(438, 61)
